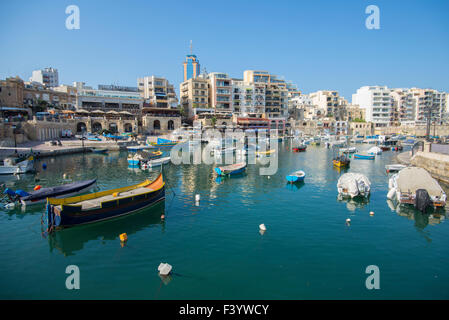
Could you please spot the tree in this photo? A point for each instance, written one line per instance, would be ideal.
(213, 121)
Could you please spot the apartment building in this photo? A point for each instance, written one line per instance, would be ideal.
(403, 105)
(329, 103)
(428, 100)
(220, 92)
(377, 103)
(47, 77)
(158, 92)
(68, 100)
(354, 113)
(194, 96)
(248, 99)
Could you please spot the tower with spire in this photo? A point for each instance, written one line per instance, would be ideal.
(191, 65)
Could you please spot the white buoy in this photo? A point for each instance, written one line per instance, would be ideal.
(262, 227)
(164, 269)
(348, 221)
(197, 198)
(371, 213)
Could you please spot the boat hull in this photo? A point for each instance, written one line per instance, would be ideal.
(364, 157)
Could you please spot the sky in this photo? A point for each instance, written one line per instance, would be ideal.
(318, 45)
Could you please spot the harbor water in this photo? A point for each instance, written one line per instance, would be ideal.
(215, 246)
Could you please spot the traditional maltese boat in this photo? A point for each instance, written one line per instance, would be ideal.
(231, 169)
(103, 205)
(353, 185)
(163, 143)
(363, 156)
(40, 195)
(296, 176)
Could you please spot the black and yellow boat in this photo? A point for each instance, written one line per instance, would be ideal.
(103, 205)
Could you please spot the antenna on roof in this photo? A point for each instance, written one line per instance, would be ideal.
(190, 46)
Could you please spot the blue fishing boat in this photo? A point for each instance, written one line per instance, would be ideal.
(163, 143)
(297, 176)
(104, 205)
(362, 156)
(232, 169)
(135, 159)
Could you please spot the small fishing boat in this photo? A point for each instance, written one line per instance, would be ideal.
(353, 185)
(348, 150)
(231, 169)
(143, 156)
(155, 163)
(416, 186)
(300, 148)
(103, 205)
(41, 195)
(341, 161)
(99, 150)
(223, 150)
(374, 150)
(363, 156)
(163, 143)
(296, 176)
(394, 167)
(384, 147)
(13, 165)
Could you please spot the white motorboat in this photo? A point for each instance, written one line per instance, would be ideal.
(15, 166)
(353, 185)
(348, 150)
(394, 167)
(410, 186)
(374, 150)
(155, 163)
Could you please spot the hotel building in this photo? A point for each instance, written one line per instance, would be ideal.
(194, 96)
(428, 99)
(191, 67)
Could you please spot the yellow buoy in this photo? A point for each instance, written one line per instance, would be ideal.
(115, 194)
(123, 237)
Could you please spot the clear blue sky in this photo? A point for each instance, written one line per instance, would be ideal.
(315, 44)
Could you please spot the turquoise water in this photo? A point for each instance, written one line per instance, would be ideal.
(216, 250)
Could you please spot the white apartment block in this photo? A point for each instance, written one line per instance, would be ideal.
(377, 102)
(157, 91)
(48, 77)
(403, 105)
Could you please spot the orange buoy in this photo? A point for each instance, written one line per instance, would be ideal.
(37, 187)
(123, 237)
(162, 217)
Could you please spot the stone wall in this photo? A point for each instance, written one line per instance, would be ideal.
(158, 125)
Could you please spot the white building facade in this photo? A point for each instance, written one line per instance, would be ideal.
(48, 77)
(377, 103)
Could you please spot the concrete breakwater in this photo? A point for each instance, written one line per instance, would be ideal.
(437, 164)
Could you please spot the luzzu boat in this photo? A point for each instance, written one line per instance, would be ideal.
(103, 205)
(265, 153)
(296, 176)
(231, 169)
(163, 143)
(363, 156)
(16, 166)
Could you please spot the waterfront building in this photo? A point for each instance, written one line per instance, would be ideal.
(292, 93)
(38, 95)
(428, 99)
(276, 93)
(248, 99)
(354, 113)
(377, 103)
(68, 100)
(194, 96)
(158, 92)
(109, 99)
(11, 93)
(329, 103)
(220, 92)
(403, 105)
(160, 120)
(47, 77)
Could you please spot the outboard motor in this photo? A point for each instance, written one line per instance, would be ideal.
(422, 200)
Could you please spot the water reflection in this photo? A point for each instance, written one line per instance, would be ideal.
(294, 186)
(432, 216)
(354, 203)
(69, 241)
